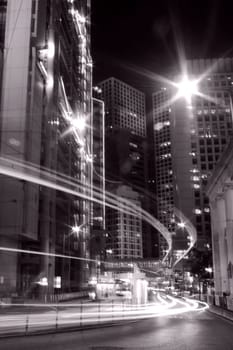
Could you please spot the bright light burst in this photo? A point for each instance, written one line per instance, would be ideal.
(76, 229)
(79, 123)
(187, 88)
(181, 224)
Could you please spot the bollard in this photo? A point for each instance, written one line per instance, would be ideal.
(56, 317)
(81, 313)
(99, 311)
(27, 324)
(112, 309)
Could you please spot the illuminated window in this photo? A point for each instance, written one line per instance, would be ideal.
(197, 211)
(196, 186)
(194, 170)
(195, 178)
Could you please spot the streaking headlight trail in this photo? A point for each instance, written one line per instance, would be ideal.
(77, 315)
(56, 181)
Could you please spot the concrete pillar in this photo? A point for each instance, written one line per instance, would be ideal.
(228, 194)
(215, 248)
(221, 226)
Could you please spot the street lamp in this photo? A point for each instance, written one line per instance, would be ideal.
(187, 88)
(76, 229)
(79, 123)
(181, 224)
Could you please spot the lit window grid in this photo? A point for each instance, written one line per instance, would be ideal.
(214, 135)
(214, 128)
(127, 105)
(125, 235)
(163, 166)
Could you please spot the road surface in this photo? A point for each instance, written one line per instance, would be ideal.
(189, 331)
(83, 315)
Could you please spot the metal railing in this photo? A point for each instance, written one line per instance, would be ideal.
(36, 318)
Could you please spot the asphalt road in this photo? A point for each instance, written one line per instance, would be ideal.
(75, 315)
(189, 331)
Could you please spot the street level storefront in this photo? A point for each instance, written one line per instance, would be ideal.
(220, 192)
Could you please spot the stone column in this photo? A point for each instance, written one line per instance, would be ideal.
(221, 224)
(215, 248)
(228, 194)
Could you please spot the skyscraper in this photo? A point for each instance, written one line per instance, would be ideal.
(45, 107)
(125, 106)
(124, 231)
(189, 138)
(163, 163)
(125, 135)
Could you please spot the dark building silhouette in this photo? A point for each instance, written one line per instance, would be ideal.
(45, 105)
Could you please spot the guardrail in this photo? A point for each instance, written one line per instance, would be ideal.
(27, 319)
(53, 298)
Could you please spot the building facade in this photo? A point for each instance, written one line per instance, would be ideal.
(125, 135)
(45, 106)
(189, 139)
(125, 132)
(220, 192)
(125, 106)
(163, 163)
(123, 230)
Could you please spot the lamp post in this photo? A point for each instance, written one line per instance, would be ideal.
(77, 232)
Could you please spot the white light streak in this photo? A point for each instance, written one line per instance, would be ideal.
(86, 313)
(51, 49)
(65, 184)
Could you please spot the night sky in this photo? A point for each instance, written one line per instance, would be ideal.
(130, 35)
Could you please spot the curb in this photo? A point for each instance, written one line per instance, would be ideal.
(221, 313)
(65, 329)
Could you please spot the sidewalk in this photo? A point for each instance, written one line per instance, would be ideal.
(63, 317)
(217, 310)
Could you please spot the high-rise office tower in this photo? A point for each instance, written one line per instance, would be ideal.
(125, 106)
(125, 132)
(123, 231)
(189, 138)
(45, 107)
(163, 163)
(125, 135)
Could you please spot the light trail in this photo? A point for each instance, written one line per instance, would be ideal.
(34, 252)
(87, 313)
(61, 182)
(12, 168)
(54, 180)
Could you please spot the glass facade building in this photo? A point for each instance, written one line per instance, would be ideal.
(45, 97)
(189, 140)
